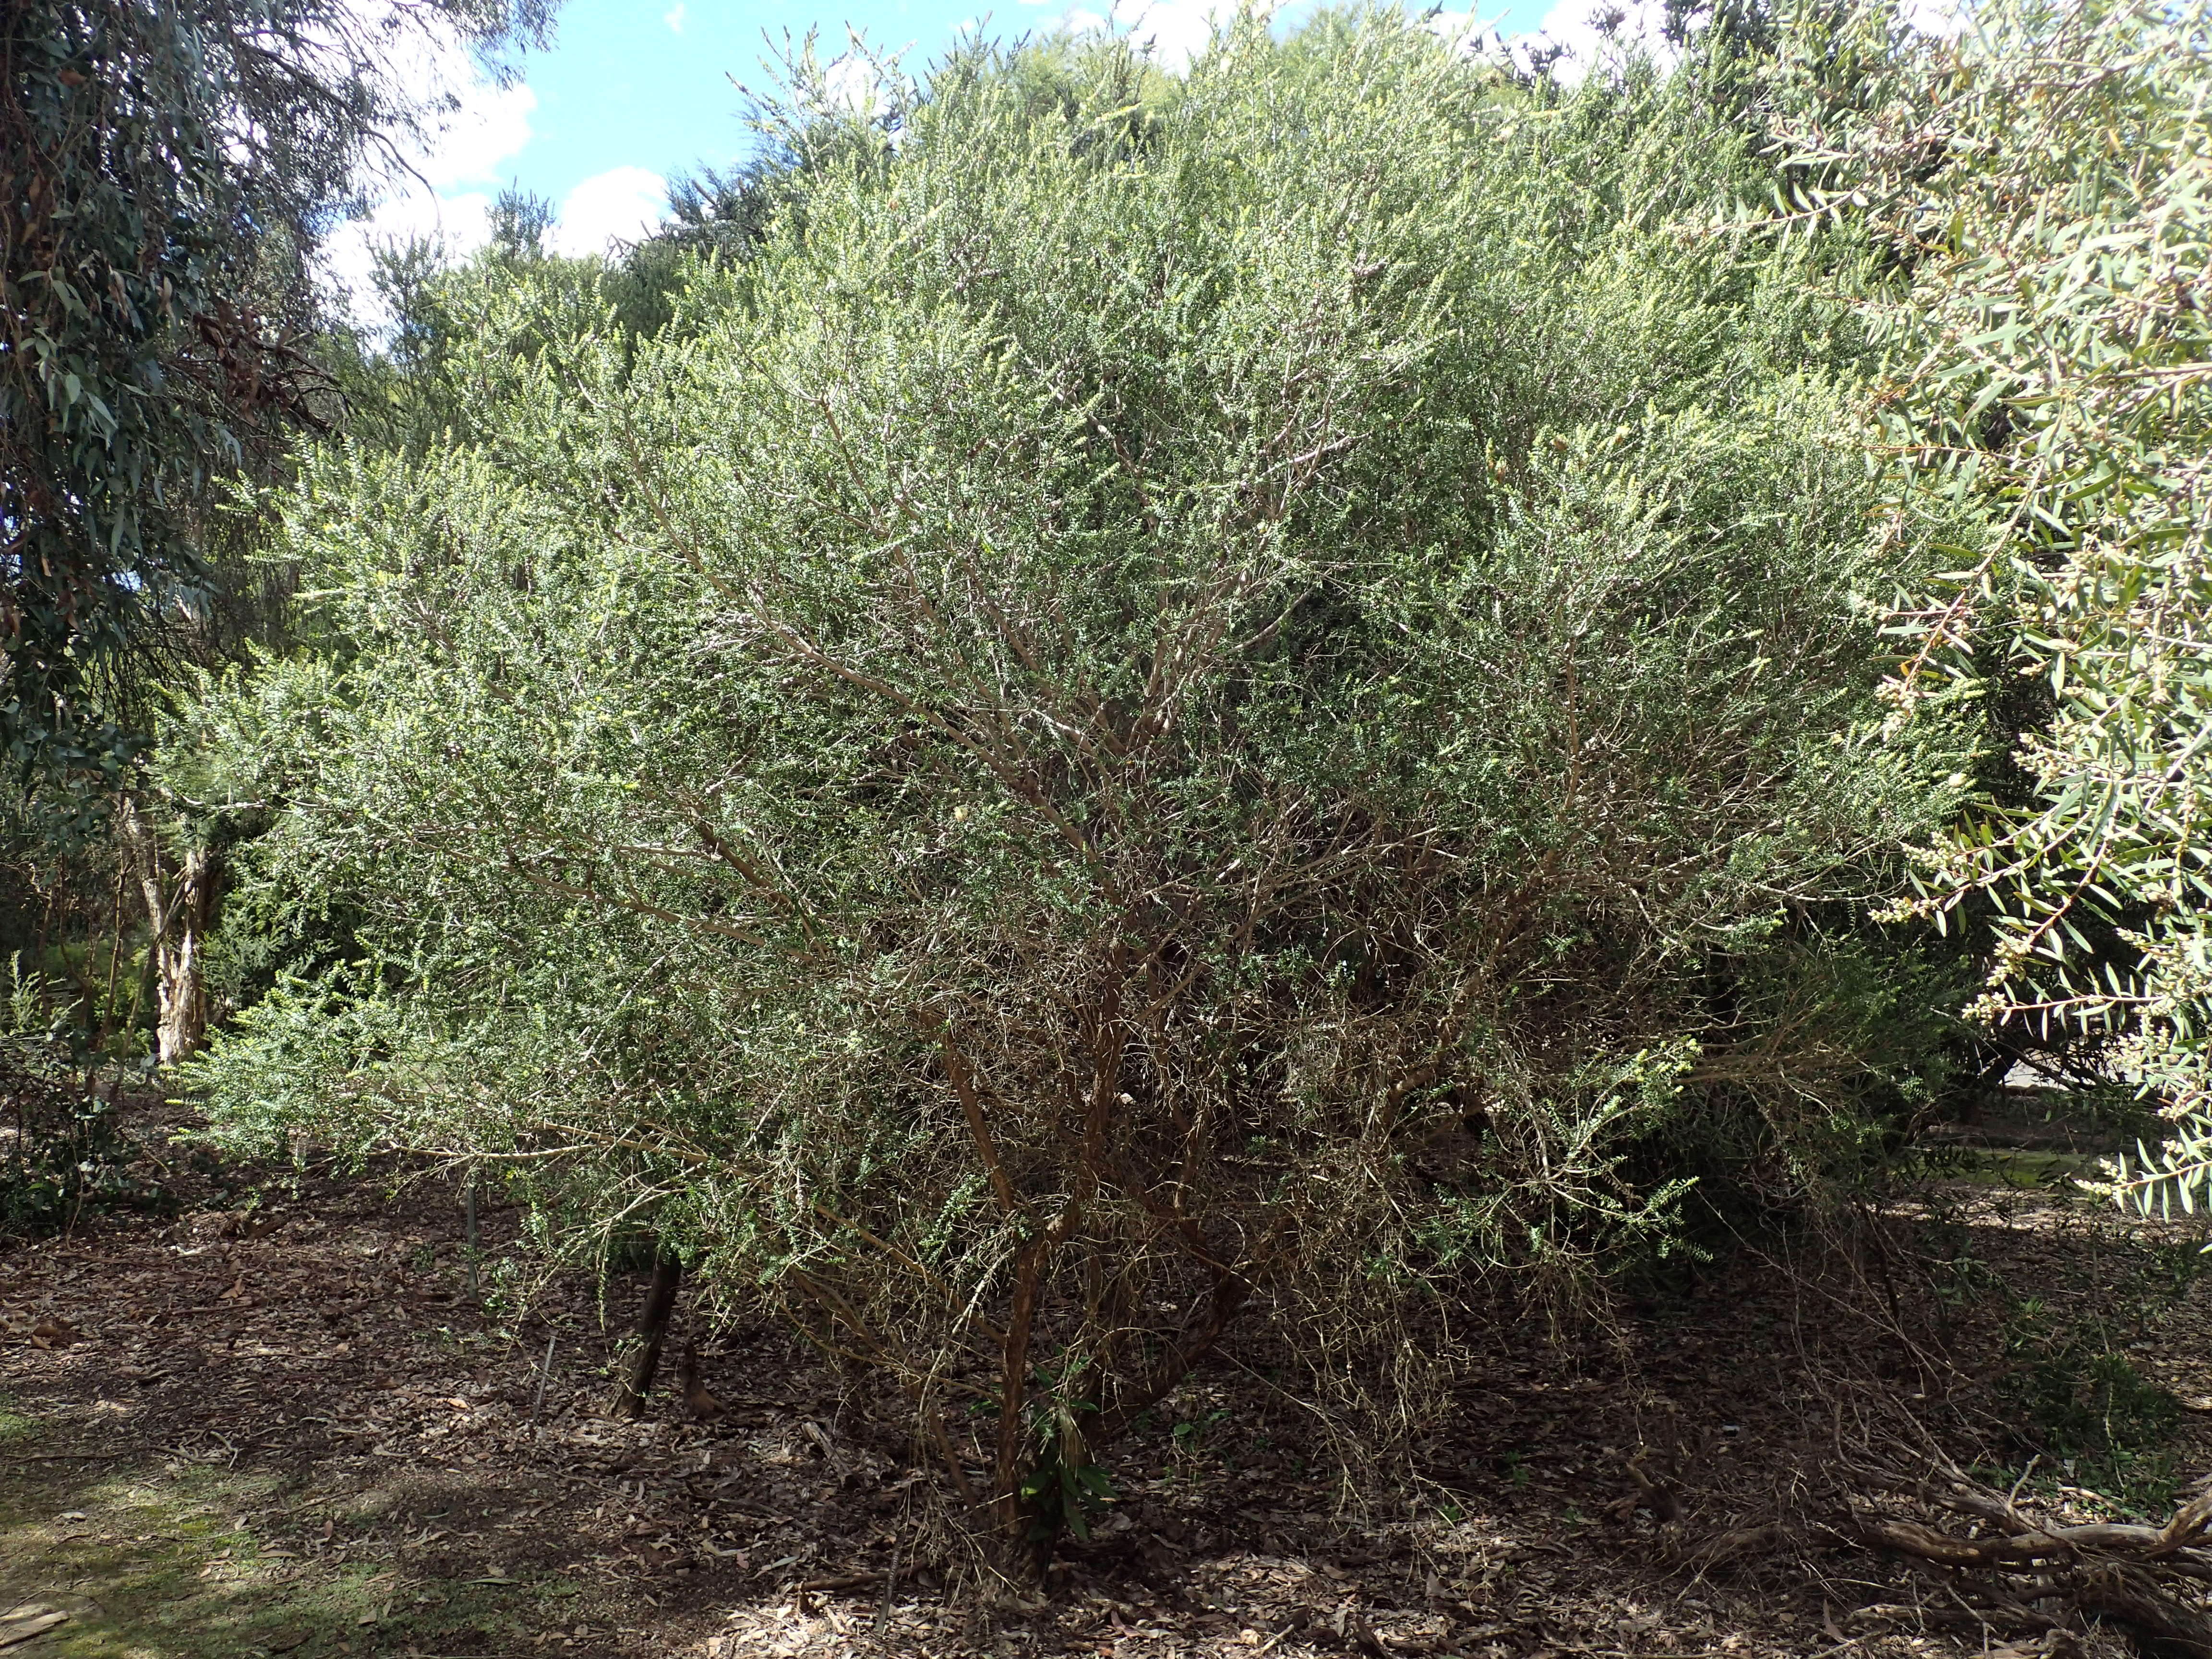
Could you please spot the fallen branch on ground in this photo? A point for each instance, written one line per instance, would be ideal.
(2015, 1573)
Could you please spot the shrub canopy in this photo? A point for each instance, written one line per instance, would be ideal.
(1239, 694)
(2042, 183)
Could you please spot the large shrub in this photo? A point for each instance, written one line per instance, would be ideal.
(1167, 709)
(2039, 181)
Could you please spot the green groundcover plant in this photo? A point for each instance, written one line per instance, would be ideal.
(1184, 700)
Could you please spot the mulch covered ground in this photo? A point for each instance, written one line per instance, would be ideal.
(275, 1423)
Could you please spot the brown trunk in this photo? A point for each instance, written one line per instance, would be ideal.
(468, 1207)
(1008, 1466)
(636, 1378)
(114, 962)
(1231, 1291)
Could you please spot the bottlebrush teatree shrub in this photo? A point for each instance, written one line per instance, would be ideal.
(1198, 703)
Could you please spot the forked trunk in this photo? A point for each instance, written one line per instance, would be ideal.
(181, 981)
(1039, 1490)
(180, 907)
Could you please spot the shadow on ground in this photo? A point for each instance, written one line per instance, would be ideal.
(277, 1425)
(164, 1560)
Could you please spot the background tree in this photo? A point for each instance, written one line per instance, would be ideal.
(170, 172)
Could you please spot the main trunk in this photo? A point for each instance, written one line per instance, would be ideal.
(181, 981)
(635, 1381)
(180, 908)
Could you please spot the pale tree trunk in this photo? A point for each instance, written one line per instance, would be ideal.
(183, 987)
(180, 909)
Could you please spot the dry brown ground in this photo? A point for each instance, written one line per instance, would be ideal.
(308, 1442)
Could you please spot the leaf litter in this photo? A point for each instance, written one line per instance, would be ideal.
(1663, 1483)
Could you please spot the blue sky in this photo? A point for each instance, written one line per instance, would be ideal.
(632, 93)
(646, 83)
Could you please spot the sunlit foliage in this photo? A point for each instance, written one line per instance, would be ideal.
(1194, 700)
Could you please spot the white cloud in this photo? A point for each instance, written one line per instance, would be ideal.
(1573, 25)
(1946, 19)
(482, 124)
(855, 84)
(490, 128)
(443, 192)
(619, 205)
(1467, 34)
(1571, 29)
(674, 17)
(1175, 31)
(1178, 30)
(460, 224)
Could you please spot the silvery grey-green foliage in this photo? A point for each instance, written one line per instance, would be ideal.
(1164, 708)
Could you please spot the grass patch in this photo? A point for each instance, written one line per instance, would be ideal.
(17, 1429)
(157, 1564)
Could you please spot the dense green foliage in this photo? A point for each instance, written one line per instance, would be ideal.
(2044, 184)
(1241, 697)
(166, 171)
(62, 1156)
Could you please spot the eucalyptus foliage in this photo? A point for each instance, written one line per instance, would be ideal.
(1208, 699)
(2044, 182)
(167, 169)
